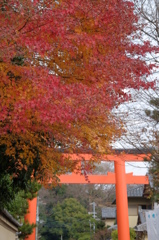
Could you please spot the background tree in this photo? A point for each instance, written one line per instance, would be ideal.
(6, 193)
(102, 234)
(85, 194)
(69, 220)
(153, 114)
(142, 126)
(114, 234)
(102, 195)
(139, 128)
(148, 11)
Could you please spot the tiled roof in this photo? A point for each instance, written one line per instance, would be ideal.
(136, 191)
(10, 218)
(109, 212)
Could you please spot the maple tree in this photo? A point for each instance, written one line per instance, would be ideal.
(63, 68)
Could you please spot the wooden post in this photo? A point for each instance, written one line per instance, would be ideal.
(121, 201)
(31, 217)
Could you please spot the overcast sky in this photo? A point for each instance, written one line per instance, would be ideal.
(138, 169)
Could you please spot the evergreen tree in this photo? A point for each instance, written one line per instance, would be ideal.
(68, 220)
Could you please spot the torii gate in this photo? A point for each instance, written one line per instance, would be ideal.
(119, 178)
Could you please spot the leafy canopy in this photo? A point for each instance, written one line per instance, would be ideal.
(63, 67)
(68, 219)
(114, 234)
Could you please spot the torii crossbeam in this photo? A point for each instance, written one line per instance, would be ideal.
(119, 178)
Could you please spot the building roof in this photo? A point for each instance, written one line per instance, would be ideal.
(10, 218)
(109, 212)
(137, 191)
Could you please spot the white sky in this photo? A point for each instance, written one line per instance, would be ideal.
(138, 168)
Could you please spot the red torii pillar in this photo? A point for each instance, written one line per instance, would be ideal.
(119, 178)
(31, 216)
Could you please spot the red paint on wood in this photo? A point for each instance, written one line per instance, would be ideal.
(119, 178)
(101, 179)
(103, 157)
(31, 217)
(121, 201)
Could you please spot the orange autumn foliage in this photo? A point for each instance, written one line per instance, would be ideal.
(63, 68)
